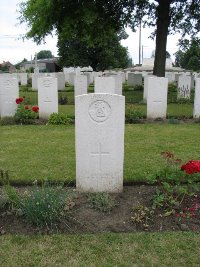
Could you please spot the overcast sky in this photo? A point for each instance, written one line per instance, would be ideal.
(15, 50)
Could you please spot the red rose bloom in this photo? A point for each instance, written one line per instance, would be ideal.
(19, 100)
(35, 109)
(191, 166)
(26, 107)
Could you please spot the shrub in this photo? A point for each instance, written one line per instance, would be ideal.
(174, 183)
(57, 119)
(138, 87)
(133, 115)
(172, 87)
(24, 113)
(101, 201)
(62, 100)
(44, 206)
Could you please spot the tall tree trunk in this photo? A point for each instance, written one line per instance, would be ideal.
(163, 21)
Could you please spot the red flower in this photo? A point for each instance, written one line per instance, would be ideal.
(26, 107)
(191, 166)
(19, 100)
(35, 109)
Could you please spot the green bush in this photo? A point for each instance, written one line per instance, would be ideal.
(174, 184)
(138, 87)
(101, 201)
(24, 113)
(133, 115)
(57, 119)
(62, 100)
(172, 87)
(44, 205)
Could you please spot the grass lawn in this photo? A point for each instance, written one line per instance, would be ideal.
(48, 152)
(133, 100)
(102, 250)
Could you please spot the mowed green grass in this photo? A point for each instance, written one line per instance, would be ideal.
(39, 152)
(102, 250)
(133, 100)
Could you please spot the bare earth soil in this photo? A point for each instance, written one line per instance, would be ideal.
(83, 219)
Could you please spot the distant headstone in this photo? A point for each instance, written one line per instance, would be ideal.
(23, 78)
(105, 85)
(184, 86)
(157, 97)
(134, 79)
(9, 91)
(99, 142)
(196, 110)
(80, 85)
(170, 76)
(71, 78)
(47, 96)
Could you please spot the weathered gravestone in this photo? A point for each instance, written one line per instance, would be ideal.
(196, 110)
(157, 97)
(80, 85)
(134, 79)
(47, 96)
(9, 91)
(184, 86)
(99, 142)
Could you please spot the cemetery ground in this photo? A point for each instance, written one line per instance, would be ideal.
(119, 230)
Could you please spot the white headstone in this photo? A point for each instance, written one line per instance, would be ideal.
(23, 78)
(184, 86)
(71, 78)
(105, 85)
(157, 97)
(47, 96)
(134, 79)
(80, 85)
(145, 92)
(9, 91)
(196, 110)
(99, 142)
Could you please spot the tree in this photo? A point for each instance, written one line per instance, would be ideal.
(17, 66)
(91, 20)
(109, 53)
(188, 56)
(44, 54)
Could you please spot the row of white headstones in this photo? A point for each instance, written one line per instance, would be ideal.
(99, 125)
(155, 93)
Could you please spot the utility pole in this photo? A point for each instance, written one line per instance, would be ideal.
(140, 42)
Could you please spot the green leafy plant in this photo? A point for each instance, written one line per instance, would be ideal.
(57, 119)
(62, 100)
(101, 201)
(174, 184)
(24, 113)
(133, 115)
(44, 205)
(138, 87)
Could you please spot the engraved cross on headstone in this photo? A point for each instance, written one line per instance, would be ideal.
(99, 154)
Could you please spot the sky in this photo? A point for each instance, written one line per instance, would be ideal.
(14, 49)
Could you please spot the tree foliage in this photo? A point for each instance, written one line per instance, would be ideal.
(188, 56)
(107, 54)
(44, 54)
(92, 20)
